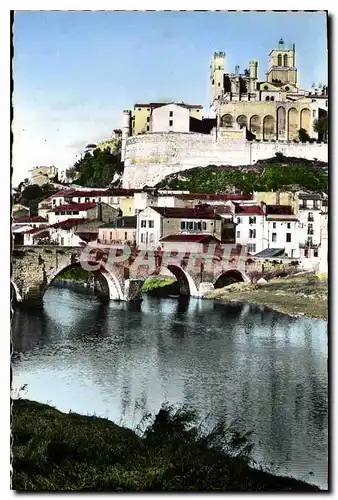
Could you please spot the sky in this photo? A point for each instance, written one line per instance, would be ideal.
(74, 72)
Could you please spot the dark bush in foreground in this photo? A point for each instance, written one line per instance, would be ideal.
(53, 451)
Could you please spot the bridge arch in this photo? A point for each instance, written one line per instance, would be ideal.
(15, 293)
(229, 277)
(186, 282)
(113, 286)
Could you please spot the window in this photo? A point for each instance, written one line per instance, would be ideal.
(288, 225)
(252, 220)
(287, 88)
(310, 229)
(219, 84)
(279, 60)
(310, 217)
(86, 200)
(238, 220)
(170, 123)
(267, 98)
(190, 225)
(99, 199)
(213, 81)
(315, 252)
(326, 103)
(315, 203)
(151, 238)
(198, 226)
(204, 224)
(125, 235)
(252, 247)
(238, 234)
(274, 225)
(151, 223)
(142, 238)
(143, 223)
(147, 128)
(182, 225)
(79, 200)
(54, 202)
(171, 114)
(274, 237)
(57, 213)
(252, 233)
(148, 119)
(285, 60)
(75, 212)
(314, 113)
(272, 98)
(306, 252)
(266, 87)
(288, 237)
(111, 235)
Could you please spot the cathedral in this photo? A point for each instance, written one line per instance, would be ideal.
(271, 109)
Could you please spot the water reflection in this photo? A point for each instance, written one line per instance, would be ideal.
(264, 369)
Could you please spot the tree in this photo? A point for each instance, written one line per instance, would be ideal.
(321, 127)
(97, 169)
(33, 194)
(303, 136)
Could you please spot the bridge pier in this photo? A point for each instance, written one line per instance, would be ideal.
(133, 290)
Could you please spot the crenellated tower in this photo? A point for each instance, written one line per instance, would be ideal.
(217, 67)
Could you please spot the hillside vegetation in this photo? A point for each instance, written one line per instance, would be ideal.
(274, 174)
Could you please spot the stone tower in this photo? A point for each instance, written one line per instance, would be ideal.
(217, 75)
(282, 65)
(126, 131)
(253, 75)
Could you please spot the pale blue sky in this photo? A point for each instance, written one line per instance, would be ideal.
(74, 72)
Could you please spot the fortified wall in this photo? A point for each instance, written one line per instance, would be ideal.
(151, 157)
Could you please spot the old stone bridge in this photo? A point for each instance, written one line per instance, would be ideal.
(120, 278)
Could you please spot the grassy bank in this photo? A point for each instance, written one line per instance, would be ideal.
(53, 451)
(158, 284)
(305, 294)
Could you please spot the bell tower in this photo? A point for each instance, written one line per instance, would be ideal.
(282, 65)
(217, 75)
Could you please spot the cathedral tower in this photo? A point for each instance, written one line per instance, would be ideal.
(282, 65)
(217, 75)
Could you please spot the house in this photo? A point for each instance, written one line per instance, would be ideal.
(288, 198)
(89, 210)
(23, 224)
(250, 227)
(127, 205)
(154, 223)
(181, 242)
(281, 230)
(310, 219)
(122, 231)
(34, 236)
(75, 232)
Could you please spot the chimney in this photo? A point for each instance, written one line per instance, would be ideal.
(99, 210)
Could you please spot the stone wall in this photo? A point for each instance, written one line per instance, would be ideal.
(151, 157)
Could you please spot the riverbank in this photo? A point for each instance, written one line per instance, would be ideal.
(54, 451)
(298, 295)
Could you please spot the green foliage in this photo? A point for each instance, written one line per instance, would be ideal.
(53, 451)
(154, 282)
(33, 194)
(321, 126)
(303, 136)
(75, 273)
(97, 169)
(268, 176)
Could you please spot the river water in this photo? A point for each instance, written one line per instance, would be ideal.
(265, 370)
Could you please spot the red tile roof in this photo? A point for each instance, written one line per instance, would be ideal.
(88, 194)
(213, 196)
(87, 236)
(28, 218)
(198, 238)
(159, 104)
(35, 230)
(68, 223)
(202, 212)
(75, 206)
(249, 210)
(279, 209)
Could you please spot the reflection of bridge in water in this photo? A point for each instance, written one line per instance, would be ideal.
(121, 278)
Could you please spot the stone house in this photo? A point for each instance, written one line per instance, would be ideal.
(121, 231)
(89, 210)
(154, 223)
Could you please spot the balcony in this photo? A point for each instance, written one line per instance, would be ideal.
(310, 231)
(310, 219)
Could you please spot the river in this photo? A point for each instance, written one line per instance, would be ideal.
(265, 370)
